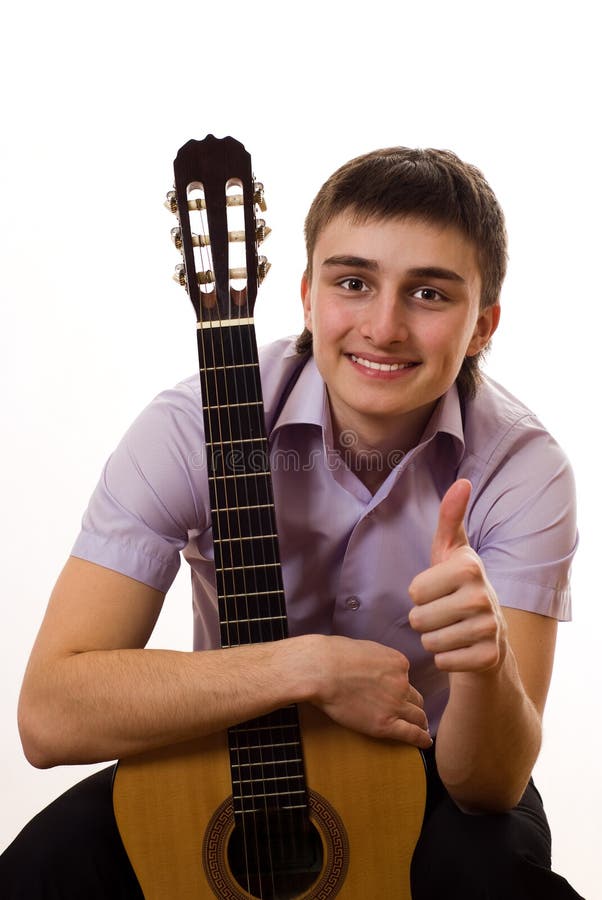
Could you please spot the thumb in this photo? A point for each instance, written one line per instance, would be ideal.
(450, 533)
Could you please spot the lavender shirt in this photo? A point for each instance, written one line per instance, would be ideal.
(348, 556)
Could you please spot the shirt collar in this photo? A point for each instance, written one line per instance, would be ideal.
(446, 418)
(307, 404)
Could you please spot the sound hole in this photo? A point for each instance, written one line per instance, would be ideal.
(275, 856)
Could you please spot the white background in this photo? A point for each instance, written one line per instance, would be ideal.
(97, 98)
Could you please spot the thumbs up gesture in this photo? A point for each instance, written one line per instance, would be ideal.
(456, 610)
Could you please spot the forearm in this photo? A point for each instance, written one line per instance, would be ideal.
(105, 704)
(489, 738)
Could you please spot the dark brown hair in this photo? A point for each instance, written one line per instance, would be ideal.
(432, 185)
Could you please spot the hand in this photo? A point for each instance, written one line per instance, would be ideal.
(456, 609)
(364, 685)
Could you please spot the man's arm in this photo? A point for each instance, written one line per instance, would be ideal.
(490, 733)
(500, 664)
(91, 692)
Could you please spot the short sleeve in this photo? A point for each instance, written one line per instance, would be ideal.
(523, 521)
(152, 493)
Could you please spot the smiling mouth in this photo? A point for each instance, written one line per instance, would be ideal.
(380, 367)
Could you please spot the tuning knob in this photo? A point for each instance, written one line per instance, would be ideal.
(263, 267)
(176, 236)
(179, 275)
(261, 231)
(171, 202)
(258, 196)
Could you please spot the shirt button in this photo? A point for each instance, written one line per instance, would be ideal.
(353, 603)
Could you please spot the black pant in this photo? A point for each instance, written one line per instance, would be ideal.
(503, 856)
(72, 851)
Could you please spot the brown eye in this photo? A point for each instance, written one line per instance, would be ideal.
(353, 284)
(428, 294)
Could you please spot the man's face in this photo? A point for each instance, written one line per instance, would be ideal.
(393, 307)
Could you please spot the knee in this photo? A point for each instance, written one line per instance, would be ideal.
(477, 856)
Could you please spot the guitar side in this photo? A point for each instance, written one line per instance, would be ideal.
(367, 798)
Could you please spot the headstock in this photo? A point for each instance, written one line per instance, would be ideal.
(215, 199)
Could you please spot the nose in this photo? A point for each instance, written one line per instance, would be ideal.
(384, 321)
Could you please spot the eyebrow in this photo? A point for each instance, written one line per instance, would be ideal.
(353, 262)
(360, 262)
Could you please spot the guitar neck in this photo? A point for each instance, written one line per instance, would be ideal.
(265, 754)
(247, 560)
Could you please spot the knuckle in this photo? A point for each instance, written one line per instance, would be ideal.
(471, 565)
(414, 617)
(477, 602)
(489, 655)
(429, 642)
(414, 591)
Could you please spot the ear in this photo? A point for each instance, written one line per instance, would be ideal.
(306, 298)
(484, 329)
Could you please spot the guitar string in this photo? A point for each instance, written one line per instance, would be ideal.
(279, 716)
(206, 337)
(245, 355)
(248, 353)
(245, 577)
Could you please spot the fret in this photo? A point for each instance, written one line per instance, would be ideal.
(255, 619)
(277, 592)
(264, 779)
(233, 405)
(235, 523)
(265, 565)
(251, 606)
(237, 508)
(239, 581)
(217, 350)
(264, 795)
(241, 492)
(293, 760)
(249, 537)
(225, 384)
(220, 423)
(251, 365)
(243, 461)
(255, 440)
(245, 552)
(268, 746)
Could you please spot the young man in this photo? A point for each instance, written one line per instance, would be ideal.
(426, 535)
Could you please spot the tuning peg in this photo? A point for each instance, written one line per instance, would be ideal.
(263, 267)
(258, 196)
(176, 236)
(171, 202)
(179, 275)
(262, 231)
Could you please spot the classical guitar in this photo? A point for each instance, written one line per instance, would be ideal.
(289, 805)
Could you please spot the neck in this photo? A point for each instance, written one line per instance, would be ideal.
(373, 452)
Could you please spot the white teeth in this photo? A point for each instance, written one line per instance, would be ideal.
(382, 367)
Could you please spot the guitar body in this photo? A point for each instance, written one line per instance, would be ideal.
(174, 812)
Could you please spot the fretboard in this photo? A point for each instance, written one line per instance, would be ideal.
(266, 757)
(247, 561)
